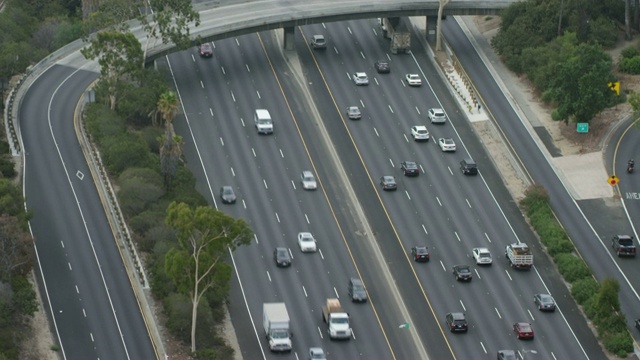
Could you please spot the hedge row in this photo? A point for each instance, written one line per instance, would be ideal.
(599, 300)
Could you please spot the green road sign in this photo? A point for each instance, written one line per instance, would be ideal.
(583, 127)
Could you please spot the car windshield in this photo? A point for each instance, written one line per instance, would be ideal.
(485, 255)
(358, 288)
(525, 327)
(280, 334)
(625, 241)
(282, 253)
(410, 165)
(264, 121)
(463, 270)
(228, 191)
(459, 322)
(421, 250)
(388, 179)
(422, 131)
(546, 299)
(340, 321)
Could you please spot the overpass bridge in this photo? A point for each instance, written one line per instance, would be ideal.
(240, 18)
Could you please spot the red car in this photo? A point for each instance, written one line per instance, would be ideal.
(523, 330)
(420, 253)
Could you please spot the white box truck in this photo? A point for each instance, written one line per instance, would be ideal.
(263, 121)
(276, 326)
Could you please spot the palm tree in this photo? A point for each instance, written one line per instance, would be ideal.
(170, 143)
(166, 108)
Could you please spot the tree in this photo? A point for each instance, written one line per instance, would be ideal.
(197, 264)
(442, 4)
(580, 85)
(16, 248)
(118, 55)
(607, 299)
(634, 100)
(169, 21)
(170, 143)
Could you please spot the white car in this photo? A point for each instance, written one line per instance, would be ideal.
(447, 144)
(360, 78)
(482, 256)
(413, 80)
(437, 116)
(308, 180)
(419, 133)
(306, 242)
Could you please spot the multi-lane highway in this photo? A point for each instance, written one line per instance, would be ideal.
(441, 208)
(361, 230)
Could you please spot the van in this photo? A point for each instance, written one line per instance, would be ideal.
(318, 42)
(263, 121)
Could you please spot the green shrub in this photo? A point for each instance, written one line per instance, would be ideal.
(177, 307)
(7, 168)
(619, 343)
(630, 51)
(535, 197)
(124, 152)
(102, 123)
(559, 246)
(610, 323)
(136, 195)
(584, 289)
(156, 233)
(630, 65)
(572, 267)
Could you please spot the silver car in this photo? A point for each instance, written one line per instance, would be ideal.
(308, 180)
(354, 113)
(437, 116)
(360, 78)
(482, 256)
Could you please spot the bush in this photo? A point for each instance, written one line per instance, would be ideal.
(572, 267)
(158, 232)
(178, 310)
(7, 168)
(584, 289)
(103, 123)
(124, 152)
(630, 65)
(136, 195)
(559, 246)
(619, 343)
(630, 51)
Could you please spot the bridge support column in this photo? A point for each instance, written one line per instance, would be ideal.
(289, 37)
(432, 22)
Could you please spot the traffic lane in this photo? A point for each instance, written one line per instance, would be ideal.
(536, 163)
(380, 224)
(70, 269)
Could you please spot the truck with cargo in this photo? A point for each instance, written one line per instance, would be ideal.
(276, 326)
(519, 256)
(337, 320)
(396, 30)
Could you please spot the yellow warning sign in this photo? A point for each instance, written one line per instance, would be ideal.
(613, 180)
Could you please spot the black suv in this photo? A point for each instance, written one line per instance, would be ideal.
(623, 245)
(462, 272)
(382, 66)
(356, 290)
(457, 322)
(410, 168)
(469, 167)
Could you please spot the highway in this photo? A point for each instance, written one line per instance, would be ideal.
(589, 229)
(265, 171)
(455, 214)
(87, 288)
(90, 293)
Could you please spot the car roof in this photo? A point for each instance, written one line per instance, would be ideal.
(523, 324)
(457, 315)
(356, 281)
(227, 187)
(446, 139)
(361, 74)
(420, 127)
(436, 110)
(305, 233)
(481, 249)
(318, 36)
(388, 177)
(307, 173)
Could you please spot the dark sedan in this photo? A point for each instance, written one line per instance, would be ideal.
(388, 183)
(382, 66)
(462, 273)
(282, 257)
(544, 302)
(227, 195)
(420, 253)
(410, 168)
